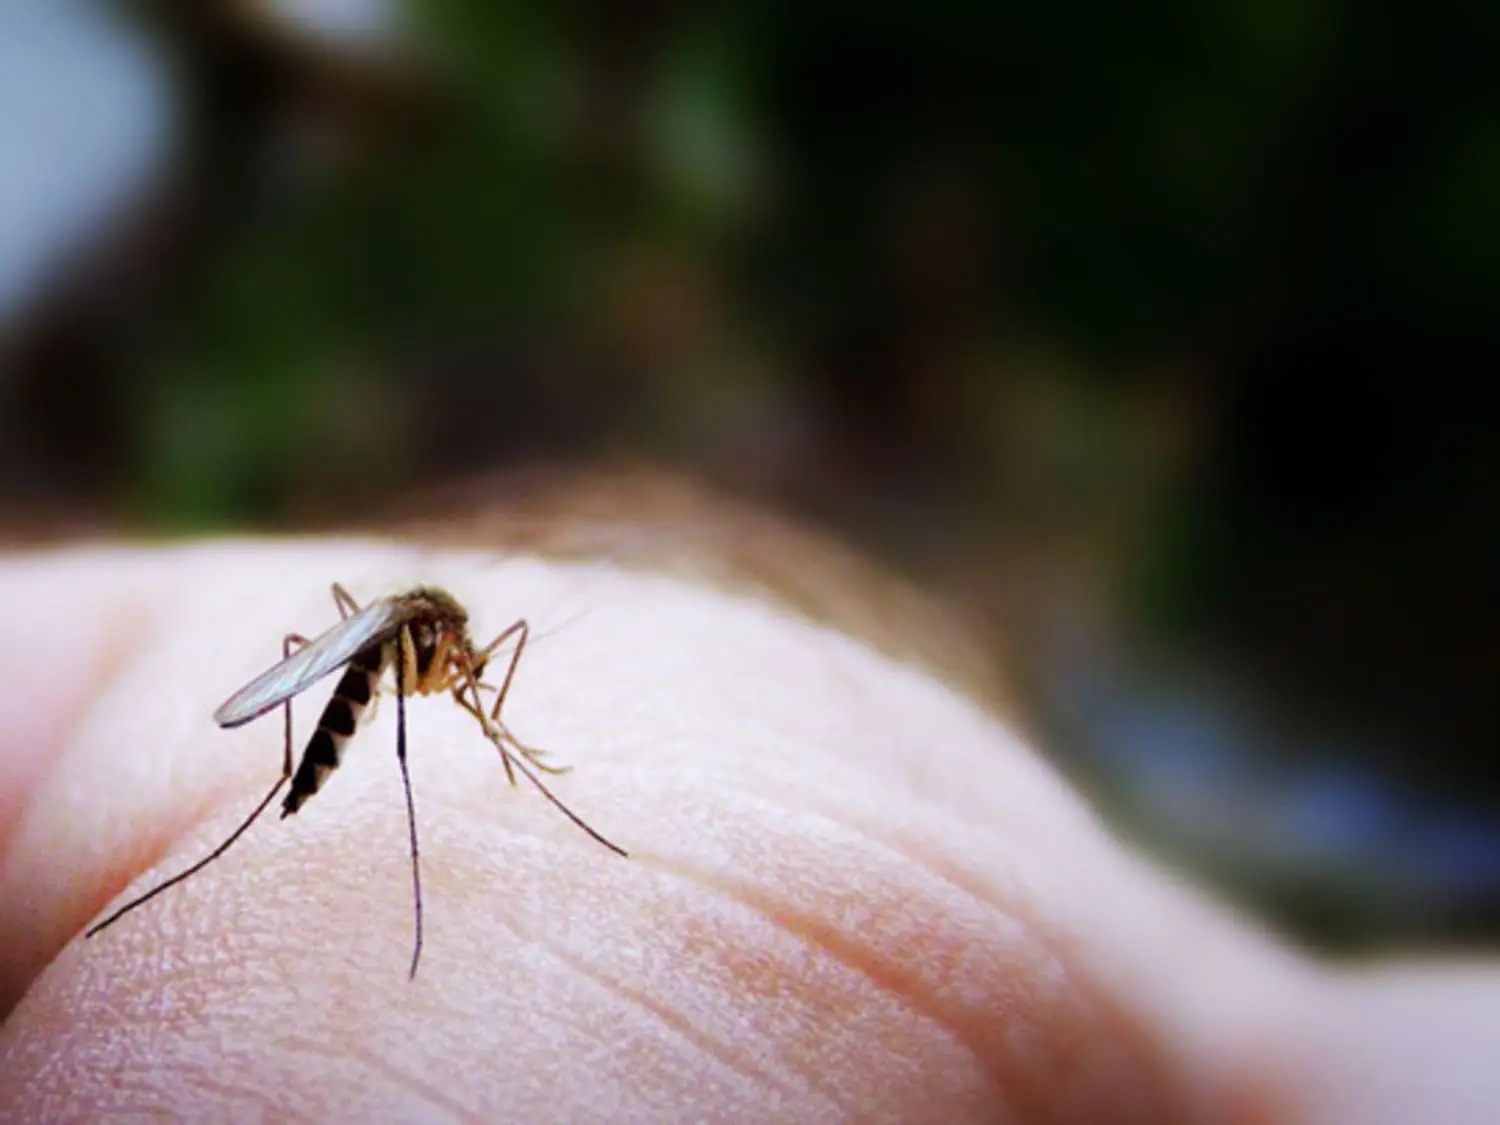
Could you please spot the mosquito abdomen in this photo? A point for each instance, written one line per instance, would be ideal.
(337, 724)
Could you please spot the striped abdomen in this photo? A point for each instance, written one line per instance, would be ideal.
(337, 725)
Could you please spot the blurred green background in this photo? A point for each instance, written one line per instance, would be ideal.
(1157, 337)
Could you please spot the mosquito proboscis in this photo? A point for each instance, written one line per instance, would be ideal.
(422, 636)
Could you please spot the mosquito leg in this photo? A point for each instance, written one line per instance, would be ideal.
(533, 755)
(287, 644)
(406, 649)
(519, 627)
(531, 752)
(195, 868)
(498, 736)
(494, 728)
(493, 725)
(521, 630)
(345, 602)
(494, 719)
(489, 728)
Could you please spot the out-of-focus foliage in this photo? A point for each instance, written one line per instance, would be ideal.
(1151, 333)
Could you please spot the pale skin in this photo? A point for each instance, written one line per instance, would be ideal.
(852, 893)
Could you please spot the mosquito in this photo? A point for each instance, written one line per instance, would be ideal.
(422, 636)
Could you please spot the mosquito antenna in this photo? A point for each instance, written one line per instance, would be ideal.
(566, 623)
(411, 811)
(193, 870)
(543, 635)
(497, 736)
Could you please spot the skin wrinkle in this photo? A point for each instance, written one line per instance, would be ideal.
(884, 976)
(1091, 994)
(637, 1090)
(791, 1060)
(800, 929)
(721, 948)
(677, 1025)
(762, 981)
(630, 998)
(969, 1030)
(205, 1088)
(774, 910)
(1105, 1017)
(434, 1095)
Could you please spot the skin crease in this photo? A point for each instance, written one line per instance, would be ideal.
(852, 894)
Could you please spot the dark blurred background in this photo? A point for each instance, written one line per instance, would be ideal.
(1158, 337)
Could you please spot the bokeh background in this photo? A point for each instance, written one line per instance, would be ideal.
(1157, 337)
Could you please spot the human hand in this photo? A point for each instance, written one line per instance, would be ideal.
(852, 894)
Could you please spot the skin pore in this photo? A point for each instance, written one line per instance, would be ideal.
(853, 891)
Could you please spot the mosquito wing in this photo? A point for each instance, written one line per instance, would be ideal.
(309, 664)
